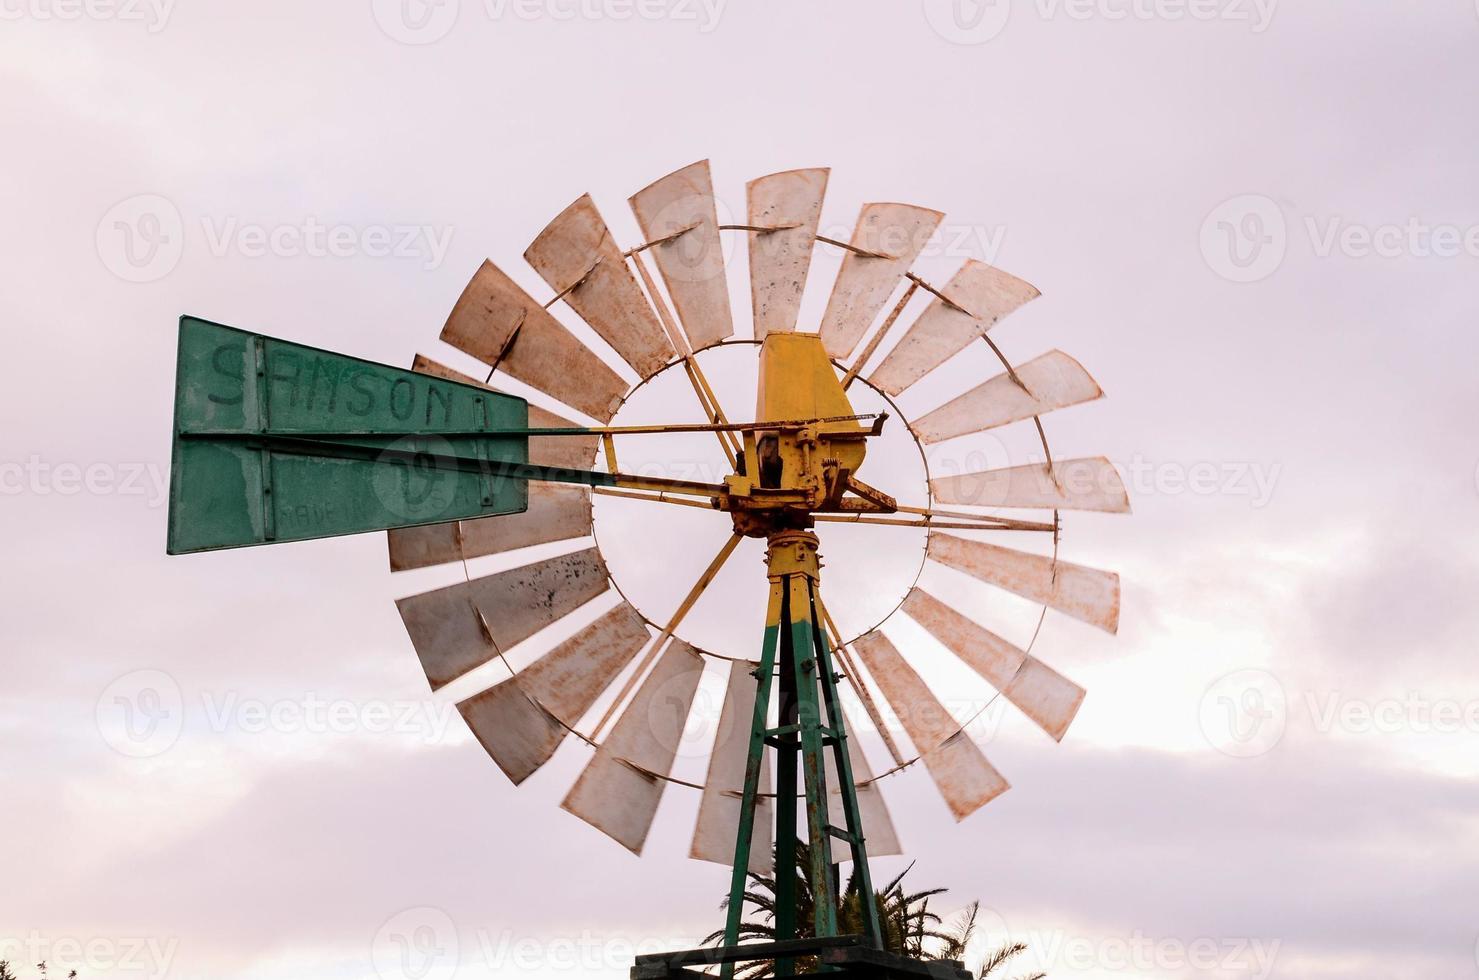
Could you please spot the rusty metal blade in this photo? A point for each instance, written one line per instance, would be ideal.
(878, 826)
(1038, 691)
(1086, 594)
(523, 720)
(894, 234)
(982, 294)
(780, 260)
(497, 322)
(960, 771)
(577, 256)
(463, 626)
(1091, 483)
(556, 512)
(1052, 381)
(619, 789)
(679, 212)
(570, 452)
(719, 807)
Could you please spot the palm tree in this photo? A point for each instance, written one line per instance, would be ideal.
(907, 924)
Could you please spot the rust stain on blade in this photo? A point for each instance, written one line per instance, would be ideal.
(1038, 691)
(1091, 483)
(897, 233)
(1087, 594)
(463, 626)
(497, 322)
(556, 512)
(960, 771)
(719, 807)
(983, 293)
(780, 260)
(577, 256)
(615, 792)
(679, 212)
(878, 826)
(520, 722)
(1053, 381)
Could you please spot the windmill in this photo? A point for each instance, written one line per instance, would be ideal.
(275, 441)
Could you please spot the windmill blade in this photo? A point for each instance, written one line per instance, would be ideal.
(717, 828)
(779, 260)
(1039, 692)
(894, 234)
(1086, 594)
(982, 294)
(556, 511)
(580, 260)
(678, 212)
(960, 771)
(878, 826)
(501, 325)
(463, 626)
(1091, 483)
(569, 452)
(1053, 380)
(523, 720)
(618, 791)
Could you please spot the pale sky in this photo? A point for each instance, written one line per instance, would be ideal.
(1255, 223)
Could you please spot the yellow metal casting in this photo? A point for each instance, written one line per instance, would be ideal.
(792, 471)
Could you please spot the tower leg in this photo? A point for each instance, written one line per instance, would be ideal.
(852, 817)
(765, 673)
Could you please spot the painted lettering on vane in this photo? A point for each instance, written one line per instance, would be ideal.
(326, 385)
(227, 360)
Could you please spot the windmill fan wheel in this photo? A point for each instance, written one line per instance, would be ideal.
(798, 467)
